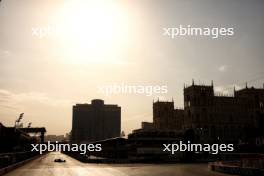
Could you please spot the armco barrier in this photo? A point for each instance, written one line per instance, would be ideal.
(16, 165)
(234, 169)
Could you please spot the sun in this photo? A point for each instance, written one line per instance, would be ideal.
(92, 31)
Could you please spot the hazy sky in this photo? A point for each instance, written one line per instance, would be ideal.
(107, 42)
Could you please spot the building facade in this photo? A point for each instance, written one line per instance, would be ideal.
(95, 121)
(165, 117)
(215, 118)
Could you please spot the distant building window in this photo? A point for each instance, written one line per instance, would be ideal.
(187, 104)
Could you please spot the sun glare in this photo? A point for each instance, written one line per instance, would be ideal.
(93, 31)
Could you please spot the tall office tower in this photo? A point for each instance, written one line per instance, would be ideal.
(95, 121)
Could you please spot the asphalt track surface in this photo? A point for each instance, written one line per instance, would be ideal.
(45, 166)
